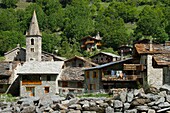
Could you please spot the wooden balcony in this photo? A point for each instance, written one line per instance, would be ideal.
(98, 44)
(139, 67)
(127, 78)
(82, 46)
(89, 42)
(31, 82)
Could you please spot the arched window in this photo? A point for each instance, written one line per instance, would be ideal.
(32, 41)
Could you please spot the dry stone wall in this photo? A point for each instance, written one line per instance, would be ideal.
(127, 101)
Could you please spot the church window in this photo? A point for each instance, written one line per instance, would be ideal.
(32, 41)
(32, 49)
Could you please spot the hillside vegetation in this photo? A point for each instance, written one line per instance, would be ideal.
(64, 22)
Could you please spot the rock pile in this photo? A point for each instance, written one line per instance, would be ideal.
(127, 101)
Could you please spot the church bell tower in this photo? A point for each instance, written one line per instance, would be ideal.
(33, 41)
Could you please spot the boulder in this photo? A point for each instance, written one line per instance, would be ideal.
(118, 104)
(89, 112)
(92, 103)
(75, 106)
(109, 110)
(139, 101)
(130, 96)
(168, 98)
(123, 96)
(151, 111)
(163, 110)
(164, 104)
(104, 105)
(46, 100)
(28, 109)
(162, 99)
(142, 108)
(166, 88)
(126, 106)
(131, 111)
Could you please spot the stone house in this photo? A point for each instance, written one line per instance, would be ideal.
(111, 75)
(72, 76)
(104, 57)
(39, 78)
(147, 55)
(125, 50)
(8, 74)
(91, 43)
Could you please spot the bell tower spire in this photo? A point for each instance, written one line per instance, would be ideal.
(33, 41)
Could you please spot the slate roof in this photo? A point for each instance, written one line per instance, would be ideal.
(72, 74)
(157, 48)
(106, 53)
(34, 28)
(82, 58)
(162, 59)
(107, 64)
(5, 68)
(97, 37)
(35, 67)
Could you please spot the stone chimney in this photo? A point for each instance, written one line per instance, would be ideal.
(150, 45)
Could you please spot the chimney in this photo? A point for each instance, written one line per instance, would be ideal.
(150, 45)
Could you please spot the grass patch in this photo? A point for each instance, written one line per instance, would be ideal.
(7, 98)
(95, 95)
(2, 58)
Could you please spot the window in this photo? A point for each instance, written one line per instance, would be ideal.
(79, 84)
(32, 49)
(46, 89)
(94, 74)
(48, 78)
(87, 74)
(64, 84)
(1, 86)
(32, 41)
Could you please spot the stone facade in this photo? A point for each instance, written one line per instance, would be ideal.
(45, 86)
(33, 51)
(16, 54)
(154, 75)
(103, 57)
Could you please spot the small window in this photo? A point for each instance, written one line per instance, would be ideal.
(79, 84)
(87, 74)
(32, 49)
(94, 74)
(1, 86)
(48, 78)
(64, 84)
(47, 89)
(32, 41)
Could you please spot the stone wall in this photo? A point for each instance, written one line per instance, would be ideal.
(123, 101)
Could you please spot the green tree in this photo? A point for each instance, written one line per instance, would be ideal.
(9, 40)
(9, 3)
(78, 22)
(8, 20)
(151, 23)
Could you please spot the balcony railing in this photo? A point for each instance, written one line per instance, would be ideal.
(127, 78)
(31, 82)
(89, 42)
